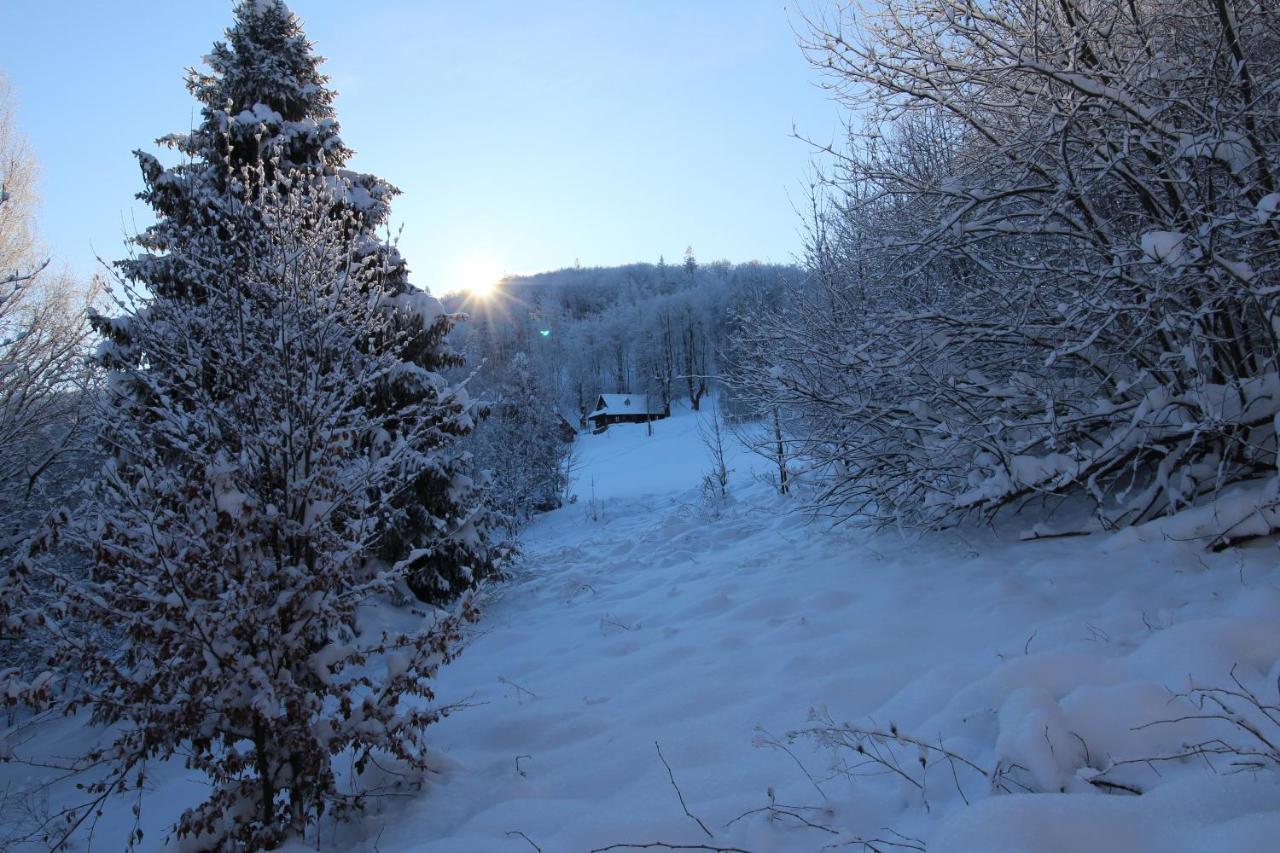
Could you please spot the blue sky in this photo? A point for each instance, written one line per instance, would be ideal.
(524, 136)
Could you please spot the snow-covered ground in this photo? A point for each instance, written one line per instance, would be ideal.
(646, 619)
(643, 618)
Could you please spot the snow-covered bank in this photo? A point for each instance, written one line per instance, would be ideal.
(646, 620)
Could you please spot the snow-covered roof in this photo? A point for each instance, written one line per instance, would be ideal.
(625, 404)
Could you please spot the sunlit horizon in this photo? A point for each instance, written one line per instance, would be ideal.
(477, 275)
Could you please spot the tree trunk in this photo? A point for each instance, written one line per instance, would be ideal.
(783, 488)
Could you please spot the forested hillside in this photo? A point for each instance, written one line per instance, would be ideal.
(660, 329)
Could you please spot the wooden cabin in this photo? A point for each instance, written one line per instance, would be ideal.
(568, 432)
(625, 409)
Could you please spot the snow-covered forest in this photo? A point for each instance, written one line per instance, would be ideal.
(957, 531)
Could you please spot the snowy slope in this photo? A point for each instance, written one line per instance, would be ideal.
(643, 617)
(659, 623)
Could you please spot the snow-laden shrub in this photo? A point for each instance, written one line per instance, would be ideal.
(1047, 263)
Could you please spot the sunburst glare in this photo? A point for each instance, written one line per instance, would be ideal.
(479, 275)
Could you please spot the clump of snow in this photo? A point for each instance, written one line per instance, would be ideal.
(1267, 207)
(259, 114)
(1231, 149)
(1242, 270)
(1170, 247)
(1034, 734)
(418, 304)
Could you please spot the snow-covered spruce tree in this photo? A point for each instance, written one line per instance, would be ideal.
(232, 530)
(265, 107)
(1050, 262)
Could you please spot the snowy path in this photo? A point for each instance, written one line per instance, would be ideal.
(657, 622)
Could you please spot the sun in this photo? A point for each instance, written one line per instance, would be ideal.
(479, 275)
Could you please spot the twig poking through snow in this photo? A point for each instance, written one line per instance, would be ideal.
(531, 843)
(672, 777)
(763, 738)
(520, 691)
(873, 845)
(611, 621)
(526, 838)
(777, 811)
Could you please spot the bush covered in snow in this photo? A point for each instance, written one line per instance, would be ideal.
(1045, 265)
